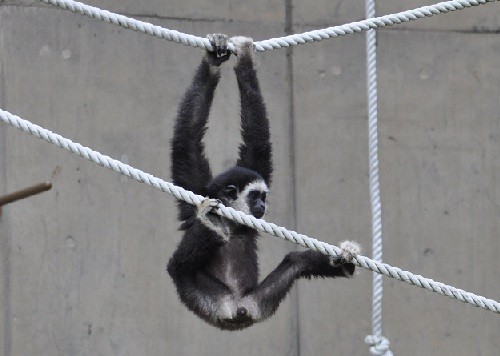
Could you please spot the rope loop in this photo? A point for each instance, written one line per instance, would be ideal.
(379, 345)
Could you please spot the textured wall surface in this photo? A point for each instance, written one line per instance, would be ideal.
(82, 267)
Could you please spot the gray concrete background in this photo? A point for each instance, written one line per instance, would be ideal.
(83, 266)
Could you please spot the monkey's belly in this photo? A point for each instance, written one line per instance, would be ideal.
(234, 267)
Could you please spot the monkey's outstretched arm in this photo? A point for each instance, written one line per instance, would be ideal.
(256, 150)
(190, 167)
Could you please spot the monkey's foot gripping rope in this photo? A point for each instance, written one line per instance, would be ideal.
(248, 220)
(273, 43)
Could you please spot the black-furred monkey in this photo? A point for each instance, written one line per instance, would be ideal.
(215, 266)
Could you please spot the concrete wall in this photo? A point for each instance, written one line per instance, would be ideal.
(83, 266)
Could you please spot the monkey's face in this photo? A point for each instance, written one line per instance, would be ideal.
(251, 199)
(256, 200)
(242, 189)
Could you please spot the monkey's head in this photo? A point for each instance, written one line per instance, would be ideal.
(242, 189)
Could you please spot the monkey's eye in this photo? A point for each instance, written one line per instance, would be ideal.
(254, 194)
(264, 196)
(231, 191)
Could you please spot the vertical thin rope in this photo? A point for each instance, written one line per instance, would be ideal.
(371, 68)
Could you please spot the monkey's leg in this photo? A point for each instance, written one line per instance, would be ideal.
(206, 297)
(268, 295)
(195, 250)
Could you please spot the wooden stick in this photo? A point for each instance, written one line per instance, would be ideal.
(24, 193)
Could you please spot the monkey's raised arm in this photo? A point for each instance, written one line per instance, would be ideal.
(190, 167)
(256, 150)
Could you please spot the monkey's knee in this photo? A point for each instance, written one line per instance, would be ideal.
(170, 268)
(173, 271)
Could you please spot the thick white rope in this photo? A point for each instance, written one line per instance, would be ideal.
(379, 344)
(273, 43)
(248, 220)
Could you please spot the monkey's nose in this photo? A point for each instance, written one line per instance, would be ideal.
(241, 311)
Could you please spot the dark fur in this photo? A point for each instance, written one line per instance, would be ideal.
(215, 279)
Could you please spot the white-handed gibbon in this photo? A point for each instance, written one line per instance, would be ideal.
(215, 267)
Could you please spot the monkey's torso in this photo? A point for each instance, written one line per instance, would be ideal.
(216, 283)
(235, 264)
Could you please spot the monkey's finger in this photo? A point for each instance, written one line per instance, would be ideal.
(214, 203)
(222, 51)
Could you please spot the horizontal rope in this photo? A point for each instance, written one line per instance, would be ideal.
(273, 43)
(248, 220)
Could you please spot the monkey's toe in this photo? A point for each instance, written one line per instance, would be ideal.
(349, 250)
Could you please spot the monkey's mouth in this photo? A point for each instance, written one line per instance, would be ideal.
(258, 214)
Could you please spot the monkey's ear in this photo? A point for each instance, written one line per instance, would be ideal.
(231, 192)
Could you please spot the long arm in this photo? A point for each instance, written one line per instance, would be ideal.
(190, 167)
(256, 150)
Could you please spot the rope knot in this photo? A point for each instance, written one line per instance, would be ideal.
(379, 345)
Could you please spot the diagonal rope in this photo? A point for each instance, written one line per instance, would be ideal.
(379, 344)
(273, 43)
(248, 220)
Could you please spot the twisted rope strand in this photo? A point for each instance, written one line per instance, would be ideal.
(273, 43)
(248, 220)
(379, 344)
